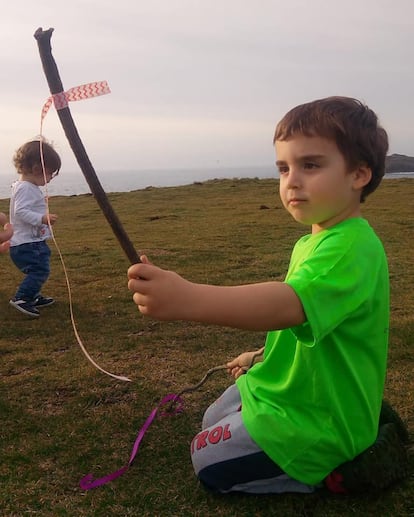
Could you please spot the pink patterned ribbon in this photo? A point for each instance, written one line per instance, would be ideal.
(87, 482)
(77, 93)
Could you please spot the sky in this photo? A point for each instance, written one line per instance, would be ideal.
(201, 83)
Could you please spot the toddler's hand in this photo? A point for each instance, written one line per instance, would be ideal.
(52, 218)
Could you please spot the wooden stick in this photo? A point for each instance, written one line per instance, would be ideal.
(65, 116)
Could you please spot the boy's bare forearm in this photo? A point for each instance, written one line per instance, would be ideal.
(266, 306)
(164, 295)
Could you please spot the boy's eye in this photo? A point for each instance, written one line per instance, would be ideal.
(283, 169)
(310, 165)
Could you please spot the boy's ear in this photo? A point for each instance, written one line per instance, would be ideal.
(37, 169)
(362, 176)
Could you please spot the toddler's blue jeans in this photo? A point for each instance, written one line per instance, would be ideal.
(33, 259)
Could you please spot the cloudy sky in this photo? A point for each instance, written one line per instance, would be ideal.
(201, 83)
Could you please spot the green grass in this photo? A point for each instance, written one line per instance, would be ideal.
(61, 418)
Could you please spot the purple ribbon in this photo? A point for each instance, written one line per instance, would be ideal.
(87, 482)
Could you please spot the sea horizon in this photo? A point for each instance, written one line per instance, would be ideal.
(73, 183)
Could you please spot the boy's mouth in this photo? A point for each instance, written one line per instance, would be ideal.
(296, 201)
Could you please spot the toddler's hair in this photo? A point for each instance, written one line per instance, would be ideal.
(350, 124)
(28, 155)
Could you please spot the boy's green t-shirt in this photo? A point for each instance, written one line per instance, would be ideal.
(314, 402)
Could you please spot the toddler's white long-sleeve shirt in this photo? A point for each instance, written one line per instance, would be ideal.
(27, 207)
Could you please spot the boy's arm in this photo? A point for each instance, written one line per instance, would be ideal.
(165, 295)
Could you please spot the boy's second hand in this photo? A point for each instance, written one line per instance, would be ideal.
(209, 372)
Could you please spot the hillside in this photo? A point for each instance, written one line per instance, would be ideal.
(399, 163)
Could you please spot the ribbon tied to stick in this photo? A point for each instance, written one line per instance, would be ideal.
(77, 93)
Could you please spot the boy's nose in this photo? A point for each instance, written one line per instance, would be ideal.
(293, 179)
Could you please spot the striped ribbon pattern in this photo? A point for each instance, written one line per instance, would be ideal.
(77, 93)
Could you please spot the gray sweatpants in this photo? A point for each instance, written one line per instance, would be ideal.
(226, 459)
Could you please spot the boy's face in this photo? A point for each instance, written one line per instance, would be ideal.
(316, 187)
(39, 178)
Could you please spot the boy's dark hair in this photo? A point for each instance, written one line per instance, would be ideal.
(28, 155)
(351, 124)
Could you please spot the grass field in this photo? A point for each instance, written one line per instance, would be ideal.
(61, 418)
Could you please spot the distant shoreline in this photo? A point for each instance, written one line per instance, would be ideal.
(74, 184)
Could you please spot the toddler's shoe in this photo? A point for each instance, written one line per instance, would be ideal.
(25, 307)
(43, 301)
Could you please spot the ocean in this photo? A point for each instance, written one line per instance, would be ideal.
(74, 183)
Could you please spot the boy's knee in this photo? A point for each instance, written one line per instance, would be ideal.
(208, 438)
(209, 482)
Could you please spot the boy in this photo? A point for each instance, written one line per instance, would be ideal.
(310, 400)
(28, 214)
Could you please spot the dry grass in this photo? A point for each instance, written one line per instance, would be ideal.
(62, 419)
